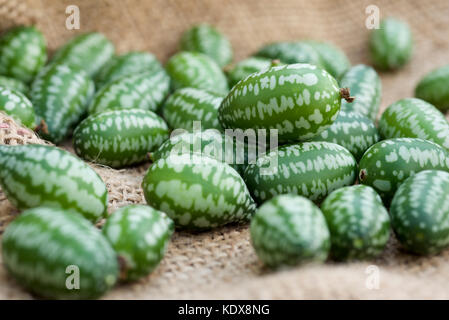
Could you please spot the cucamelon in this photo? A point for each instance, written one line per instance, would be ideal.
(246, 67)
(420, 212)
(358, 222)
(197, 192)
(196, 70)
(14, 84)
(23, 52)
(309, 169)
(139, 235)
(17, 105)
(385, 165)
(414, 118)
(288, 230)
(40, 175)
(119, 138)
(291, 53)
(433, 88)
(58, 255)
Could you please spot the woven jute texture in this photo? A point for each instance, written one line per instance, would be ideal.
(221, 263)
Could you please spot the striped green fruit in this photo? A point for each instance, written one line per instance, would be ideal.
(17, 105)
(246, 67)
(420, 212)
(14, 84)
(365, 85)
(358, 223)
(87, 51)
(299, 100)
(197, 192)
(139, 235)
(23, 52)
(388, 163)
(40, 175)
(187, 105)
(196, 70)
(309, 169)
(414, 118)
(288, 230)
(145, 91)
(58, 255)
(60, 95)
(433, 88)
(333, 59)
(391, 45)
(119, 138)
(125, 65)
(206, 39)
(291, 53)
(351, 130)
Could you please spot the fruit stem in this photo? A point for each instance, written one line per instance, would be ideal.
(345, 94)
(42, 127)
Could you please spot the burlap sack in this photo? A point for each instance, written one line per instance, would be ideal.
(221, 263)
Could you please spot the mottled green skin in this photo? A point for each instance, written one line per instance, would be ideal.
(119, 138)
(388, 163)
(126, 65)
(391, 45)
(420, 212)
(87, 51)
(139, 235)
(40, 175)
(309, 169)
(351, 130)
(23, 52)
(365, 85)
(60, 95)
(197, 192)
(289, 230)
(16, 104)
(187, 105)
(291, 52)
(196, 70)
(246, 67)
(39, 245)
(433, 88)
(206, 39)
(14, 84)
(358, 223)
(333, 59)
(299, 100)
(145, 91)
(414, 118)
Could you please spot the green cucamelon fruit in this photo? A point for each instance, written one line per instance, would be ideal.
(196, 70)
(420, 212)
(207, 39)
(309, 169)
(351, 130)
(385, 165)
(414, 118)
(126, 65)
(58, 255)
(87, 51)
(433, 88)
(60, 95)
(358, 222)
(139, 235)
(187, 105)
(197, 192)
(17, 105)
(365, 85)
(391, 45)
(288, 230)
(291, 53)
(23, 52)
(40, 175)
(145, 91)
(298, 100)
(246, 67)
(119, 138)
(14, 84)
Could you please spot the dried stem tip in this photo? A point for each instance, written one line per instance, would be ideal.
(275, 62)
(42, 127)
(344, 93)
